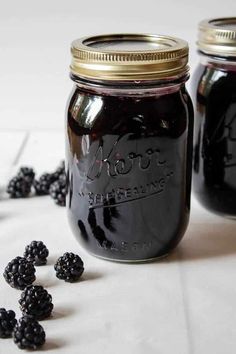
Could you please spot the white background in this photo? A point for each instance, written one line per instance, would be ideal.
(35, 39)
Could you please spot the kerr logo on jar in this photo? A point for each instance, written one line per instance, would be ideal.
(121, 156)
(112, 158)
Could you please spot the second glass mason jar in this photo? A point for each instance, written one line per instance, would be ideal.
(129, 145)
(214, 95)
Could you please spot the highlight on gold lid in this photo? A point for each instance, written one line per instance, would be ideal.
(129, 57)
(218, 36)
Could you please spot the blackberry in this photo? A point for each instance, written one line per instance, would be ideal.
(19, 273)
(36, 301)
(28, 333)
(42, 185)
(19, 187)
(69, 267)
(7, 322)
(58, 191)
(36, 252)
(28, 173)
(60, 171)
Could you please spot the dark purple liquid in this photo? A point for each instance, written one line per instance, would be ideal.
(215, 139)
(130, 172)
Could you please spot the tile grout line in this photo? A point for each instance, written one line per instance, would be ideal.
(38, 130)
(185, 304)
(21, 149)
(14, 162)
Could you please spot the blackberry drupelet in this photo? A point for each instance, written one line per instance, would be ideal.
(28, 173)
(60, 171)
(36, 252)
(19, 273)
(42, 185)
(36, 301)
(28, 333)
(19, 187)
(69, 267)
(7, 322)
(58, 191)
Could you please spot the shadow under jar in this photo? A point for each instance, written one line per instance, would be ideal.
(214, 94)
(129, 145)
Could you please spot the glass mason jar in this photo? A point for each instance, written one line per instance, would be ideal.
(214, 95)
(129, 145)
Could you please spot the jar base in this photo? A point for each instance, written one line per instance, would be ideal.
(213, 205)
(131, 261)
(231, 217)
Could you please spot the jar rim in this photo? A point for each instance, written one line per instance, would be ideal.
(129, 56)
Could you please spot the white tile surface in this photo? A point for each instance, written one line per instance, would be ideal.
(11, 145)
(44, 151)
(208, 263)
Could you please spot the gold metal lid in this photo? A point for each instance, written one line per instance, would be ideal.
(129, 57)
(218, 36)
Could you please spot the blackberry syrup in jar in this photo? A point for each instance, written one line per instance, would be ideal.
(214, 93)
(129, 145)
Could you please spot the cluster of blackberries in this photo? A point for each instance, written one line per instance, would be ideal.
(35, 302)
(53, 184)
(20, 271)
(27, 332)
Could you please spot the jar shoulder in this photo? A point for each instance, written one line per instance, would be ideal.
(134, 113)
(208, 79)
